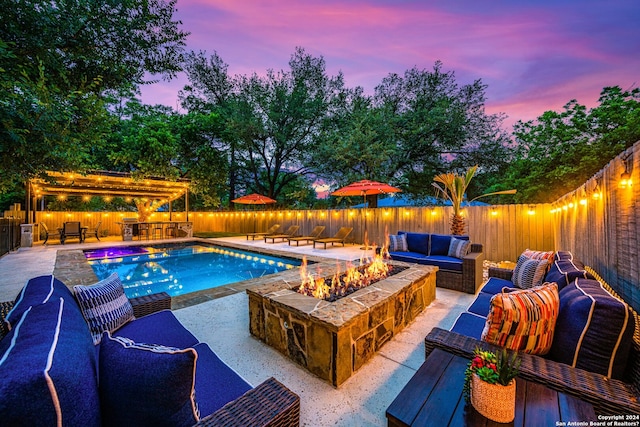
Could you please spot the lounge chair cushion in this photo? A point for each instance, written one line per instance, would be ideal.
(38, 290)
(216, 383)
(566, 271)
(104, 305)
(161, 328)
(594, 329)
(48, 369)
(529, 273)
(470, 325)
(440, 244)
(146, 384)
(495, 285)
(417, 242)
(409, 256)
(523, 319)
(398, 243)
(458, 248)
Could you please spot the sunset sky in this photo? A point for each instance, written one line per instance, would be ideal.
(534, 55)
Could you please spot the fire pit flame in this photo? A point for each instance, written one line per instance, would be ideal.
(341, 284)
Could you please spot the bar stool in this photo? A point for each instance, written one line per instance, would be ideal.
(143, 228)
(171, 229)
(157, 228)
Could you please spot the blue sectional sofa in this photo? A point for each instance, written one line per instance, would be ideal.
(149, 371)
(595, 351)
(460, 274)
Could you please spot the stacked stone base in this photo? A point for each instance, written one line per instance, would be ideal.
(333, 340)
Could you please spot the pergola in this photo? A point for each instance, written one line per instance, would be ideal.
(105, 184)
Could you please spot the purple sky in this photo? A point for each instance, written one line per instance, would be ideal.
(534, 55)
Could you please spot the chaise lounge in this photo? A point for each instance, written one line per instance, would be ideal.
(340, 237)
(291, 231)
(272, 230)
(315, 234)
(67, 360)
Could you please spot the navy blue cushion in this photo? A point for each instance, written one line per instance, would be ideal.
(38, 290)
(494, 285)
(161, 328)
(445, 262)
(563, 255)
(594, 329)
(440, 244)
(481, 304)
(566, 271)
(216, 383)
(470, 325)
(408, 257)
(48, 369)
(146, 385)
(417, 242)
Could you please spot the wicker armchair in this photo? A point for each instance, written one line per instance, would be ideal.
(269, 404)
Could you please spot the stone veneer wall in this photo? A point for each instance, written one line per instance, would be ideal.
(333, 340)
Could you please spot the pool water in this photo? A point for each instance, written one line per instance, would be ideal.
(182, 268)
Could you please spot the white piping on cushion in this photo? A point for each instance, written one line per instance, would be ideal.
(52, 351)
(15, 336)
(586, 328)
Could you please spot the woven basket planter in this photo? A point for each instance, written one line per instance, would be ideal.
(494, 401)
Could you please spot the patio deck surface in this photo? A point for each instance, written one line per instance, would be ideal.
(223, 324)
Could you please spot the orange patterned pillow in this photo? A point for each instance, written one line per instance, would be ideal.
(523, 319)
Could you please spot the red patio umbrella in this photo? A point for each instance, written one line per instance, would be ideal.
(254, 199)
(365, 188)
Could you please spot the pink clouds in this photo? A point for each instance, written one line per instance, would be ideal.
(534, 56)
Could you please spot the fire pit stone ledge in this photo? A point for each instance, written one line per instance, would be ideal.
(334, 339)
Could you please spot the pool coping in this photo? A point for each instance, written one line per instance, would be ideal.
(72, 268)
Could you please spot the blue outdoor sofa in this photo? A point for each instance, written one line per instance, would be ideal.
(462, 273)
(148, 371)
(595, 349)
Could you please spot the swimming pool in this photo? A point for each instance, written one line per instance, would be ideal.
(181, 268)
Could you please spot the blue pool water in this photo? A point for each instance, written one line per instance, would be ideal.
(181, 268)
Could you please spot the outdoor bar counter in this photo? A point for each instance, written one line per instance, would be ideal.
(178, 228)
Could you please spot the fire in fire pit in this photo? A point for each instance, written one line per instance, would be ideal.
(343, 283)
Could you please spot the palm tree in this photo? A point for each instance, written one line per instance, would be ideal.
(454, 188)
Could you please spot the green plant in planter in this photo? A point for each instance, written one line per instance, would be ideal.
(453, 188)
(500, 369)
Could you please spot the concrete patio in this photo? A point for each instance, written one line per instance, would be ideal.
(223, 324)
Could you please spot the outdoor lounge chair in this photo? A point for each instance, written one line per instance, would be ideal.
(71, 229)
(48, 233)
(315, 234)
(272, 230)
(340, 237)
(291, 231)
(94, 231)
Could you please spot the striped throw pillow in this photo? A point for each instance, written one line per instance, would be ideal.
(104, 305)
(398, 243)
(531, 254)
(523, 320)
(458, 248)
(529, 272)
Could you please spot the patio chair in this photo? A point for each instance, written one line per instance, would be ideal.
(48, 233)
(71, 229)
(94, 231)
(272, 230)
(291, 232)
(143, 228)
(340, 237)
(315, 234)
(171, 230)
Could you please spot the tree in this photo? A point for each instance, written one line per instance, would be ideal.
(59, 59)
(561, 150)
(272, 121)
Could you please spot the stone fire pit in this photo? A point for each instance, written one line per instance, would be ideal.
(334, 339)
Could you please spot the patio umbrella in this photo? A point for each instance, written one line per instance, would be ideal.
(254, 199)
(365, 188)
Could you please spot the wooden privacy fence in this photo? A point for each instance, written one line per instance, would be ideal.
(505, 230)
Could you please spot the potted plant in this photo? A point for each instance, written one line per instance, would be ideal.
(490, 384)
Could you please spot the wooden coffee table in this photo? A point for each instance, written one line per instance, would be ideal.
(433, 397)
